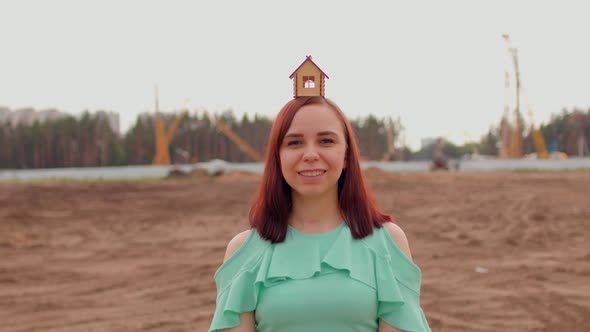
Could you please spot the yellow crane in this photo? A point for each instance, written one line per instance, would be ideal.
(235, 138)
(516, 138)
(539, 143)
(538, 138)
(163, 136)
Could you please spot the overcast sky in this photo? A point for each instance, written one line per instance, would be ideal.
(438, 65)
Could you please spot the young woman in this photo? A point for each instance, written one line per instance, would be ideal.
(320, 255)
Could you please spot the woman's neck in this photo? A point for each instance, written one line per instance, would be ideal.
(315, 213)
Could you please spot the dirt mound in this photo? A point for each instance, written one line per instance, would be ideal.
(177, 173)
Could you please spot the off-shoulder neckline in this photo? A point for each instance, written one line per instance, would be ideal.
(322, 234)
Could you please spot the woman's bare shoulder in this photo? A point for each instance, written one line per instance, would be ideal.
(235, 243)
(399, 237)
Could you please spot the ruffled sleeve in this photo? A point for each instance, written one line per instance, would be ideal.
(397, 281)
(238, 281)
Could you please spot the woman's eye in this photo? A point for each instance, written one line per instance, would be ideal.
(291, 143)
(326, 141)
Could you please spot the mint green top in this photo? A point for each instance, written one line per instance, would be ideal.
(320, 282)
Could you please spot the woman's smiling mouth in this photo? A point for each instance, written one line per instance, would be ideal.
(311, 173)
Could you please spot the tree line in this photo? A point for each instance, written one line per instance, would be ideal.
(89, 141)
(567, 132)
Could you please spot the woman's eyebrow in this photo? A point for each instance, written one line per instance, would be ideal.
(321, 133)
(294, 135)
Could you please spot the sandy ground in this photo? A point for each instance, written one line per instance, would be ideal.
(498, 251)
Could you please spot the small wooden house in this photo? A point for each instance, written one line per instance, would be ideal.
(308, 79)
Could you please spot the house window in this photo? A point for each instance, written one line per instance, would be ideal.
(308, 82)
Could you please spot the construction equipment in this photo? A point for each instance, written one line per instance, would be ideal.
(242, 144)
(538, 138)
(438, 161)
(395, 132)
(515, 145)
(504, 125)
(539, 142)
(163, 136)
(390, 141)
(401, 132)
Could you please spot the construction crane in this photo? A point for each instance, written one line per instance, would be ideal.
(163, 136)
(390, 141)
(515, 145)
(538, 138)
(504, 125)
(229, 133)
(395, 132)
(401, 132)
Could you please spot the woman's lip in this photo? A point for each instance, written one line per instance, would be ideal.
(312, 173)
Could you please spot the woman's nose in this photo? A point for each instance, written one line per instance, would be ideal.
(310, 155)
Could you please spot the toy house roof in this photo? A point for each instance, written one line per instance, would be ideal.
(308, 58)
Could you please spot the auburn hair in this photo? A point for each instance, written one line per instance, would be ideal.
(271, 205)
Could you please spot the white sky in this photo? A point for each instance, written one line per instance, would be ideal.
(439, 65)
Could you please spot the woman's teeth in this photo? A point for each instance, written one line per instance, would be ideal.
(311, 173)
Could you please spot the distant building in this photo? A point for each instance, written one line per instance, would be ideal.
(4, 114)
(27, 116)
(49, 115)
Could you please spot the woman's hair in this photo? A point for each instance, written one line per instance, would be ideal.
(271, 206)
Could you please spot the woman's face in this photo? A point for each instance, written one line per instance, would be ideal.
(313, 151)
